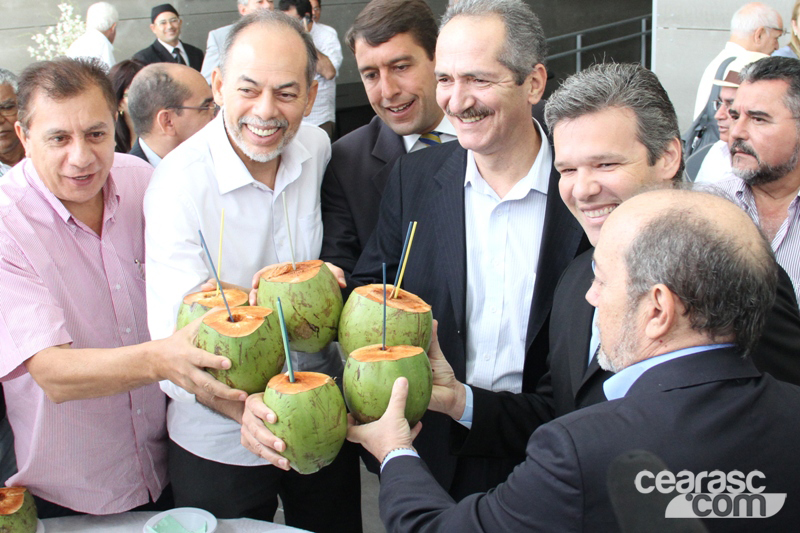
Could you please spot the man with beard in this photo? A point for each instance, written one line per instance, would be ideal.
(765, 147)
(247, 161)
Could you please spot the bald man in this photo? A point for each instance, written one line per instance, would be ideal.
(677, 333)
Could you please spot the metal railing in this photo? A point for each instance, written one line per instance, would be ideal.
(579, 36)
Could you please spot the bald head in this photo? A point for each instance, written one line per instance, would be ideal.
(756, 27)
(706, 252)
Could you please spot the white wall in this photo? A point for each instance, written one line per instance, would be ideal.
(687, 34)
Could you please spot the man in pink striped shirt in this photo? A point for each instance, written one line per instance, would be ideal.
(80, 375)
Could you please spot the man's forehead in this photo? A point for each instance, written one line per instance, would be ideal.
(762, 93)
(400, 46)
(166, 15)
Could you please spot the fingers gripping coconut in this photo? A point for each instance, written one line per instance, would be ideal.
(17, 510)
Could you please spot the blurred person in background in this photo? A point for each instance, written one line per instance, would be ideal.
(11, 150)
(101, 30)
(122, 75)
(793, 48)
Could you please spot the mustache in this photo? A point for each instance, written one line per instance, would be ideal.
(741, 147)
(471, 112)
(264, 124)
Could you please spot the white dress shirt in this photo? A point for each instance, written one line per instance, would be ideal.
(188, 191)
(327, 41)
(4, 168)
(446, 131)
(707, 79)
(503, 241)
(716, 164)
(171, 50)
(152, 157)
(93, 44)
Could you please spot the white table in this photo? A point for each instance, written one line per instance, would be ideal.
(134, 522)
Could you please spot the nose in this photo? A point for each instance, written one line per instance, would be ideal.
(584, 185)
(264, 107)
(389, 87)
(738, 129)
(80, 154)
(460, 98)
(591, 295)
(722, 113)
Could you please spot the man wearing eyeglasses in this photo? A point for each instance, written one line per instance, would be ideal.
(168, 48)
(168, 103)
(755, 27)
(11, 150)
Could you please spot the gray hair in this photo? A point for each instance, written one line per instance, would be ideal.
(101, 16)
(271, 18)
(777, 68)
(726, 287)
(8, 78)
(525, 45)
(152, 90)
(624, 86)
(750, 17)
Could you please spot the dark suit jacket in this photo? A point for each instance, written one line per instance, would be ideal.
(571, 384)
(428, 186)
(702, 412)
(156, 53)
(352, 189)
(138, 152)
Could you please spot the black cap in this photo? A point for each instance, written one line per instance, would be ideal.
(163, 8)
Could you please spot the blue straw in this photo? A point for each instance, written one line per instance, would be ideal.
(403, 255)
(384, 307)
(214, 270)
(285, 341)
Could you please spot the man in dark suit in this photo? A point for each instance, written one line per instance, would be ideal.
(168, 103)
(605, 155)
(168, 48)
(676, 331)
(394, 43)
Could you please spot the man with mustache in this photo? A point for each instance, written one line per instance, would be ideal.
(765, 150)
(254, 160)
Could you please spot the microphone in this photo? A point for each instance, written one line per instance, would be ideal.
(638, 512)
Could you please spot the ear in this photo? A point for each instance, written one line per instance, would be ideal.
(312, 95)
(241, 8)
(216, 85)
(153, 28)
(22, 137)
(670, 161)
(759, 35)
(661, 310)
(538, 80)
(164, 122)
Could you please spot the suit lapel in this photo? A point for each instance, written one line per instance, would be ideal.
(449, 226)
(162, 52)
(561, 237)
(582, 314)
(388, 146)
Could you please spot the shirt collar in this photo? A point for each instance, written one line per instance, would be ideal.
(618, 385)
(170, 48)
(538, 177)
(230, 170)
(445, 126)
(152, 157)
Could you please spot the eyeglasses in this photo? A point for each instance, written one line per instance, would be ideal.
(782, 30)
(164, 22)
(719, 102)
(8, 110)
(213, 108)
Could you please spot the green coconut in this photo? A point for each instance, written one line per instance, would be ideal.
(311, 301)
(197, 304)
(312, 419)
(409, 320)
(252, 342)
(370, 373)
(17, 510)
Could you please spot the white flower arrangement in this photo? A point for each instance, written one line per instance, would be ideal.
(56, 39)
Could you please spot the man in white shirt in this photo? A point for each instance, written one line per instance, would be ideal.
(755, 27)
(394, 43)
(11, 149)
(249, 157)
(101, 29)
(329, 59)
(493, 236)
(216, 38)
(168, 48)
(168, 103)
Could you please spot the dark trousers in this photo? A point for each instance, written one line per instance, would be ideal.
(327, 501)
(48, 509)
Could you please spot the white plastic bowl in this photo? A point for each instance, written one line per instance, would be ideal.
(191, 518)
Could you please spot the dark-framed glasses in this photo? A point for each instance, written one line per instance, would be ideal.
(719, 103)
(212, 108)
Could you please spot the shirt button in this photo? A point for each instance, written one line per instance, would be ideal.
(127, 330)
(118, 286)
(138, 411)
(493, 309)
(486, 357)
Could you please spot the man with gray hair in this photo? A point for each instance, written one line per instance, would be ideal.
(168, 103)
(615, 135)
(676, 332)
(263, 167)
(493, 236)
(11, 149)
(101, 29)
(755, 27)
(216, 38)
